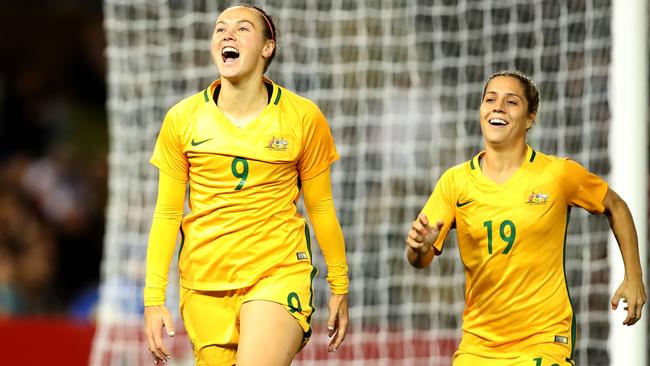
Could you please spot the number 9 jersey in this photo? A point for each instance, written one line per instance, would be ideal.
(244, 183)
(511, 239)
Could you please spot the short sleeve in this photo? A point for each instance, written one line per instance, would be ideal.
(318, 149)
(582, 188)
(440, 206)
(168, 153)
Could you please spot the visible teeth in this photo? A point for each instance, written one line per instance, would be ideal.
(229, 49)
(497, 121)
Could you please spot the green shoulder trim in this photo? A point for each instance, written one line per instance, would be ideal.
(277, 97)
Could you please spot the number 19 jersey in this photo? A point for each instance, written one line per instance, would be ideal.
(243, 185)
(511, 239)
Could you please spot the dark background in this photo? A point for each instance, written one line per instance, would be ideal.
(53, 150)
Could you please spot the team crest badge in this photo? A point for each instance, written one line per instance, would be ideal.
(277, 143)
(537, 198)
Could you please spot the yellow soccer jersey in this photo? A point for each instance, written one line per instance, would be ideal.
(243, 185)
(511, 239)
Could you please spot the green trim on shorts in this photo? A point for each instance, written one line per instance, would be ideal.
(314, 271)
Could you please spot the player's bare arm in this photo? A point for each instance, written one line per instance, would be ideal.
(632, 289)
(419, 241)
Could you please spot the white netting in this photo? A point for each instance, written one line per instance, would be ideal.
(400, 83)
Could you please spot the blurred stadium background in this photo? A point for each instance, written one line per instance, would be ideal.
(83, 88)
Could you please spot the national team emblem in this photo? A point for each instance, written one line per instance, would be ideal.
(276, 143)
(537, 198)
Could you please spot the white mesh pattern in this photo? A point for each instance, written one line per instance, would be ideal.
(400, 83)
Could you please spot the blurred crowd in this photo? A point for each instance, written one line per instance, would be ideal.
(53, 149)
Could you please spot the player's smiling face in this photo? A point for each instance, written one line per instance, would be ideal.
(504, 112)
(238, 45)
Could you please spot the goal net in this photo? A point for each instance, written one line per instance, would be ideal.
(400, 83)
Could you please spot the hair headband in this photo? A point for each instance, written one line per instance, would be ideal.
(268, 22)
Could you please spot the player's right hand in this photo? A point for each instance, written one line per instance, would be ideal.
(155, 318)
(422, 236)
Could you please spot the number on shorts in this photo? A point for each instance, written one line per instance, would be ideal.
(293, 307)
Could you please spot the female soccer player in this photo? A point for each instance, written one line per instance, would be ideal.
(247, 147)
(510, 205)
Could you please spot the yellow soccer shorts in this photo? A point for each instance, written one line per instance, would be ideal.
(211, 318)
(537, 356)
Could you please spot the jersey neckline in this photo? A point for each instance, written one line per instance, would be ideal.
(212, 106)
(480, 178)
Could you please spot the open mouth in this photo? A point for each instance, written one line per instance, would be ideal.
(229, 54)
(497, 122)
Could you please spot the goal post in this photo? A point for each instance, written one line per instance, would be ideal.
(400, 83)
(629, 153)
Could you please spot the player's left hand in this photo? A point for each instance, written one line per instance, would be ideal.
(632, 292)
(157, 317)
(337, 322)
